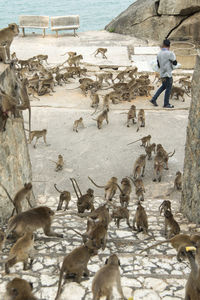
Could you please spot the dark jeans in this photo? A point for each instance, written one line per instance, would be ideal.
(166, 85)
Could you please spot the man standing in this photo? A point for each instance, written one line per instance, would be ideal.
(165, 59)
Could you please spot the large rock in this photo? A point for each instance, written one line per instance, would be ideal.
(178, 7)
(155, 20)
(15, 165)
(190, 202)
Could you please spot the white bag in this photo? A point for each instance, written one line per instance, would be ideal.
(154, 65)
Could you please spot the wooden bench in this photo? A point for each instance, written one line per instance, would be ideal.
(65, 23)
(41, 22)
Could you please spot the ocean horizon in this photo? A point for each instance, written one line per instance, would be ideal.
(94, 14)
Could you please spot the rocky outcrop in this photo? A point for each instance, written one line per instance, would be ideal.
(190, 202)
(157, 19)
(15, 165)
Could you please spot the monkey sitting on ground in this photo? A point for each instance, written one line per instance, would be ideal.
(120, 213)
(178, 181)
(110, 187)
(131, 115)
(64, 196)
(171, 223)
(102, 51)
(106, 278)
(78, 123)
(141, 119)
(125, 192)
(149, 149)
(19, 289)
(84, 201)
(139, 166)
(76, 263)
(38, 134)
(23, 193)
(20, 252)
(140, 219)
(103, 116)
(31, 220)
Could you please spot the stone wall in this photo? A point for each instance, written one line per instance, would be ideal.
(190, 202)
(157, 19)
(15, 165)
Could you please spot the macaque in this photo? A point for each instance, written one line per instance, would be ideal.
(19, 289)
(149, 149)
(165, 205)
(64, 196)
(38, 134)
(131, 115)
(140, 219)
(120, 213)
(178, 181)
(141, 119)
(103, 116)
(106, 278)
(139, 166)
(78, 123)
(171, 223)
(102, 51)
(110, 188)
(145, 141)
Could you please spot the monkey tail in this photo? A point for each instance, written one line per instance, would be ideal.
(78, 187)
(94, 119)
(7, 193)
(59, 284)
(99, 186)
(133, 142)
(94, 52)
(63, 54)
(157, 244)
(76, 231)
(57, 189)
(170, 155)
(72, 180)
(119, 187)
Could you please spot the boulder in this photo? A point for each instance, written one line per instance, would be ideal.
(155, 20)
(178, 7)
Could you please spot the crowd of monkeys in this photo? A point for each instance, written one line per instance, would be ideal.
(33, 77)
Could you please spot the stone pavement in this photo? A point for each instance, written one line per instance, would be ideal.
(157, 275)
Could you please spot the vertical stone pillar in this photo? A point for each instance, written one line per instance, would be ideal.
(190, 200)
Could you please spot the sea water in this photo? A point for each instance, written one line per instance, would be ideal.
(94, 14)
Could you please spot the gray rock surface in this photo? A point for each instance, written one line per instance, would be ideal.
(151, 19)
(15, 165)
(190, 202)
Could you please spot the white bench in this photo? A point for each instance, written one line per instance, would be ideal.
(65, 23)
(41, 22)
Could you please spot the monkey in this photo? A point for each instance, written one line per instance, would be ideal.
(8, 104)
(115, 97)
(164, 154)
(59, 163)
(139, 166)
(76, 263)
(158, 166)
(103, 116)
(141, 119)
(86, 80)
(145, 141)
(105, 77)
(110, 187)
(186, 84)
(70, 53)
(3, 54)
(121, 76)
(64, 196)
(177, 91)
(7, 35)
(131, 115)
(106, 102)
(140, 219)
(171, 223)
(3, 119)
(2, 239)
(120, 213)
(21, 251)
(38, 134)
(33, 219)
(178, 181)
(78, 123)
(23, 193)
(41, 57)
(102, 51)
(149, 149)
(19, 289)
(125, 192)
(192, 288)
(105, 279)
(14, 56)
(84, 201)
(139, 188)
(140, 194)
(177, 242)
(165, 205)
(95, 99)
(75, 60)
(132, 73)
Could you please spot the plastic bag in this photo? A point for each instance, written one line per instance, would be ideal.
(154, 65)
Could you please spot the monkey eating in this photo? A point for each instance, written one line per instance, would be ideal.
(23, 193)
(31, 220)
(64, 196)
(105, 279)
